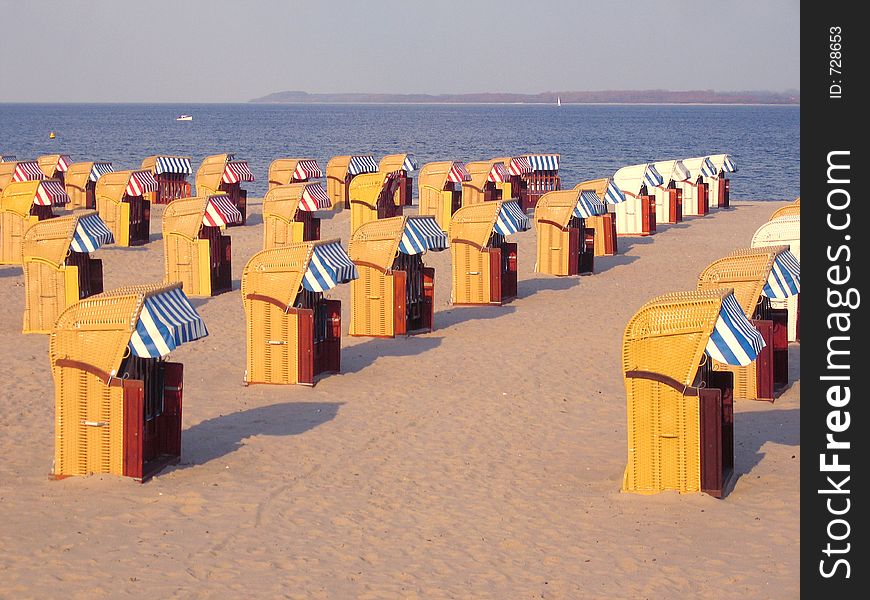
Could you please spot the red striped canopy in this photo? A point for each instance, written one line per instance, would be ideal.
(520, 165)
(307, 169)
(63, 163)
(50, 192)
(220, 212)
(458, 173)
(236, 171)
(28, 170)
(498, 174)
(140, 183)
(314, 197)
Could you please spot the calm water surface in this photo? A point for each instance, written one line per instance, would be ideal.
(594, 140)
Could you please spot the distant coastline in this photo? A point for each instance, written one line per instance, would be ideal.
(599, 97)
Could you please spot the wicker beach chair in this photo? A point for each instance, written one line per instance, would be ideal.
(519, 169)
(171, 173)
(669, 196)
(223, 174)
(284, 171)
(373, 196)
(196, 253)
(566, 245)
(17, 171)
(758, 275)
(118, 401)
(439, 189)
(637, 215)
(340, 171)
(484, 185)
(288, 213)
(542, 177)
(604, 225)
(81, 182)
(22, 204)
(789, 210)
(484, 263)
(402, 165)
(120, 200)
(719, 184)
(784, 231)
(293, 332)
(395, 292)
(680, 411)
(58, 268)
(696, 187)
(54, 166)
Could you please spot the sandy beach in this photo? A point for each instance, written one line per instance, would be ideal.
(483, 460)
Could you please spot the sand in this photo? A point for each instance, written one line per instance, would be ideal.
(483, 460)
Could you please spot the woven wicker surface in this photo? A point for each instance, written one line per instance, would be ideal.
(282, 201)
(744, 270)
(434, 175)
(49, 240)
(599, 186)
(7, 170)
(377, 242)
(281, 170)
(184, 217)
(472, 191)
(77, 176)
(556, 207)
(787, 211)
(474, 223)
(336, 171)
(48, 163)
(17, 197)
(209, 174)
(391, 162)
(113, 186)
(278, 272)
(365, 188)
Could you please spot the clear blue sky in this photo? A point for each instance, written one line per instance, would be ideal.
(231, 51)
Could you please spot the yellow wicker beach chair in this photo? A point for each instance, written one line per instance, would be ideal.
(439, 189)
(756, 275)
(565, 243)
(402, 165)
(373, 196)
(223, 174)
(784, 231)
(486, 175)
(288, 213)
(81, 182)
(22, 204)
(18, 171)
(395, 292)
(54, 165)
(789, 210)
(604, 225)
(484, 264)
(117, 400)
(293, 332)
(171, 173)
(120, 200)
(284, 171)
(340, 171)
(58, 269)
(196, 254)
(680, 411)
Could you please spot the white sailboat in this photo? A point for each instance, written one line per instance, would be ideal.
(558, 101)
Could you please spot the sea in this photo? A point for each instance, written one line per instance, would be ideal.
(593, 140)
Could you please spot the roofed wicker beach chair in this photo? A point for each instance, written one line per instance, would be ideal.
(196, 253)
(784, 231)
(440, 190)
(224, 174)
(293, 332)
(680, 410)
(54, 166)
(22, 204)
(719, 184)
(288, 213)
(340, 171)
(171, 173)
(637, 215)
(81, 182)
(16, 171)
(118, 400)
(484, 262)
(542, 177)
(402, 165)
(696, 187)
(395, 292)
(284, 171)
(58, 268)
(373, 196)
(758, 275)
(669, 195)
(486, 182)
(120, 199)
(565, 244)
(604, 225)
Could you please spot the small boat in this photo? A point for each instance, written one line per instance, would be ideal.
(558, 101)
(184, 118)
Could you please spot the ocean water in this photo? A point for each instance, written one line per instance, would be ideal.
(593, 140)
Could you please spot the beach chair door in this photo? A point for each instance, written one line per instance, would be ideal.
(509, 277)
(400, 323)
(428, 299)
(724, 192)
(586, 264)
(703, 198)
(716, 440)
(648, 214)
(675, 205)
(573, 251)
(140, 220)
(495, 276)
(779, 318)
(764, 361)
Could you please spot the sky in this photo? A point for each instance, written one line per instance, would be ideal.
(232, 51)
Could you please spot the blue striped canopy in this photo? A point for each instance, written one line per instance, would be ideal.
(651, 177)
(422, 234)
(728, 165)
(785, 277)
(708, 169)
(544, 162)
(329, 266)
(362, 164)
(90, 234)
(167, 320)
(410, 163)
(172, 164)
(588, 205)
(614, 195)
(734, 340)
(511, 219)
(99, 169)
